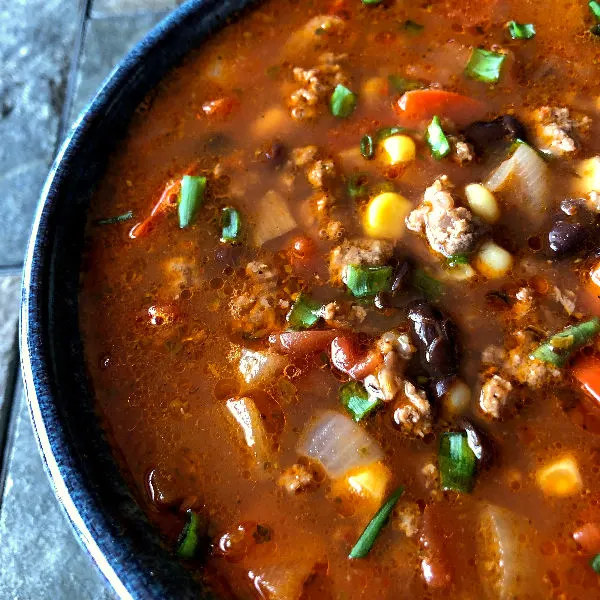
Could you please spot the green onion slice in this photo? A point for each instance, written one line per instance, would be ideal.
(411, 26)
(191, 538)
(305, 312)
(357, 185)
(458, 259)
(437, 140)
(357, 401)
(343, 102)
(118, 219)
(431, 288)
(371, 2)
(595, 562)
(231, 225)
(402, 85)
(367, 281)
(558, 348)
(369, 535)
(191, 198)
(521, 31)
(595, 30)
(386, 132)
(595, 9)
(485, 65)
(457, 462)
(367, 147)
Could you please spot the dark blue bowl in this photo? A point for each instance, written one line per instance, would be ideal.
(128, 551)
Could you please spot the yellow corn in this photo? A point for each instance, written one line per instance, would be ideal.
(385, 214)
(589, 175)
(374, 89)
(560, 478)
(482, 202)
(399, 149)
(492, 261)
(369, 482)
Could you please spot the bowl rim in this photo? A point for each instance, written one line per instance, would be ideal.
(67, 480)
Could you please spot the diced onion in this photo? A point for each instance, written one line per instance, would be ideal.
(528, 173)
(273, 218)
(457, 399)
(256, 366)
(339, 444)
(560, 478)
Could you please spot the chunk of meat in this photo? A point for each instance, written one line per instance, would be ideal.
(316, 86)
(449, 229)
(496, 396)
(566, 298)
(297, 478)
(462, 152)
(558, 130)
(316, 31)
(412, 413)
(358, 252)
(407, 518)
(343, 314)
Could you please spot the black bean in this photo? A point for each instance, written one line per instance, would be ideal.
(480, 442)
(440, 386)
(567, 238)
(486, 134)
(274, 153)
(435, 337)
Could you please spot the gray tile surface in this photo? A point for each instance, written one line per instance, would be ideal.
(120, 7)
(36, 44)
(39, 555)
(107, 40)
(10, 294)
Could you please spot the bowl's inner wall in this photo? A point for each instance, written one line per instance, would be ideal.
(95, 483)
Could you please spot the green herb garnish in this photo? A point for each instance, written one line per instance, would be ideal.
(431, 288)
(191, 198)
(369, 535)
(520, 31)
(485, 65)
(367, 281)
(595, 8)
(356, 400)
(231, 225)
(343, 102)
(190, 542)
(357, 185)
(371, 2)
(437, 140)
(305, 312)
(402, 85)
(367, 147)
(457, 462)
(455, 260)
(118, 219)
(558, 348)
(595, 562)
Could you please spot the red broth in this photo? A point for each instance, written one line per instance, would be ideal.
(451, 337)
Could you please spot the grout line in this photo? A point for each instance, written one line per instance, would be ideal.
(85, 7)
(6, 270)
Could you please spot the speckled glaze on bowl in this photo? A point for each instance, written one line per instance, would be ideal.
(86, 480)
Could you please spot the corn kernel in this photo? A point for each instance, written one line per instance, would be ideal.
(374, 89)
(460, 273)
(482, 202)
(370, 482)
(493, 261)
(385, 214)
(457, 399)
(589, 176)
(399, 149)
(560, 478)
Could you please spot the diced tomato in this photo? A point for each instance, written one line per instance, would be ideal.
(421, 105)
(220, 108)
(302, 342)
(588, 537)
(586, 371)
(436, 567)
(168, 199)
(346, 357)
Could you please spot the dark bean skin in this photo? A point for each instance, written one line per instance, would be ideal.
(482, 444)
(440, 386)
(273, 153)
(435, 337)
(486, 134)
(566, 239)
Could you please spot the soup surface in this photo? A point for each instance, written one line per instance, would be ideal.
(346, 259)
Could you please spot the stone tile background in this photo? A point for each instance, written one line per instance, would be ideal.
(54, 54)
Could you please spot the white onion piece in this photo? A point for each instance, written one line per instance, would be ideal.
(528, 173)
(273, 218)
(256, 366)
(339, 444)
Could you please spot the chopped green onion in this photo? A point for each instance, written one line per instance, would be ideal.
(305, 312)
(371, 2)
(521, 31)
(457, 462)
(367, 281)
(191, 198)
(431, 288)
(118, 219)
(595, 8)
(458, 259)
(595, 562)
(558, 348)
(356, 400)
(402, 85)
(231, 225)
(595, 30)
(436, 139)
(412, 27)
(367, 147)
(369, 535)
(343, 102)
(192, 536)
(386, 132)
(485, 65)
(357, 185)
